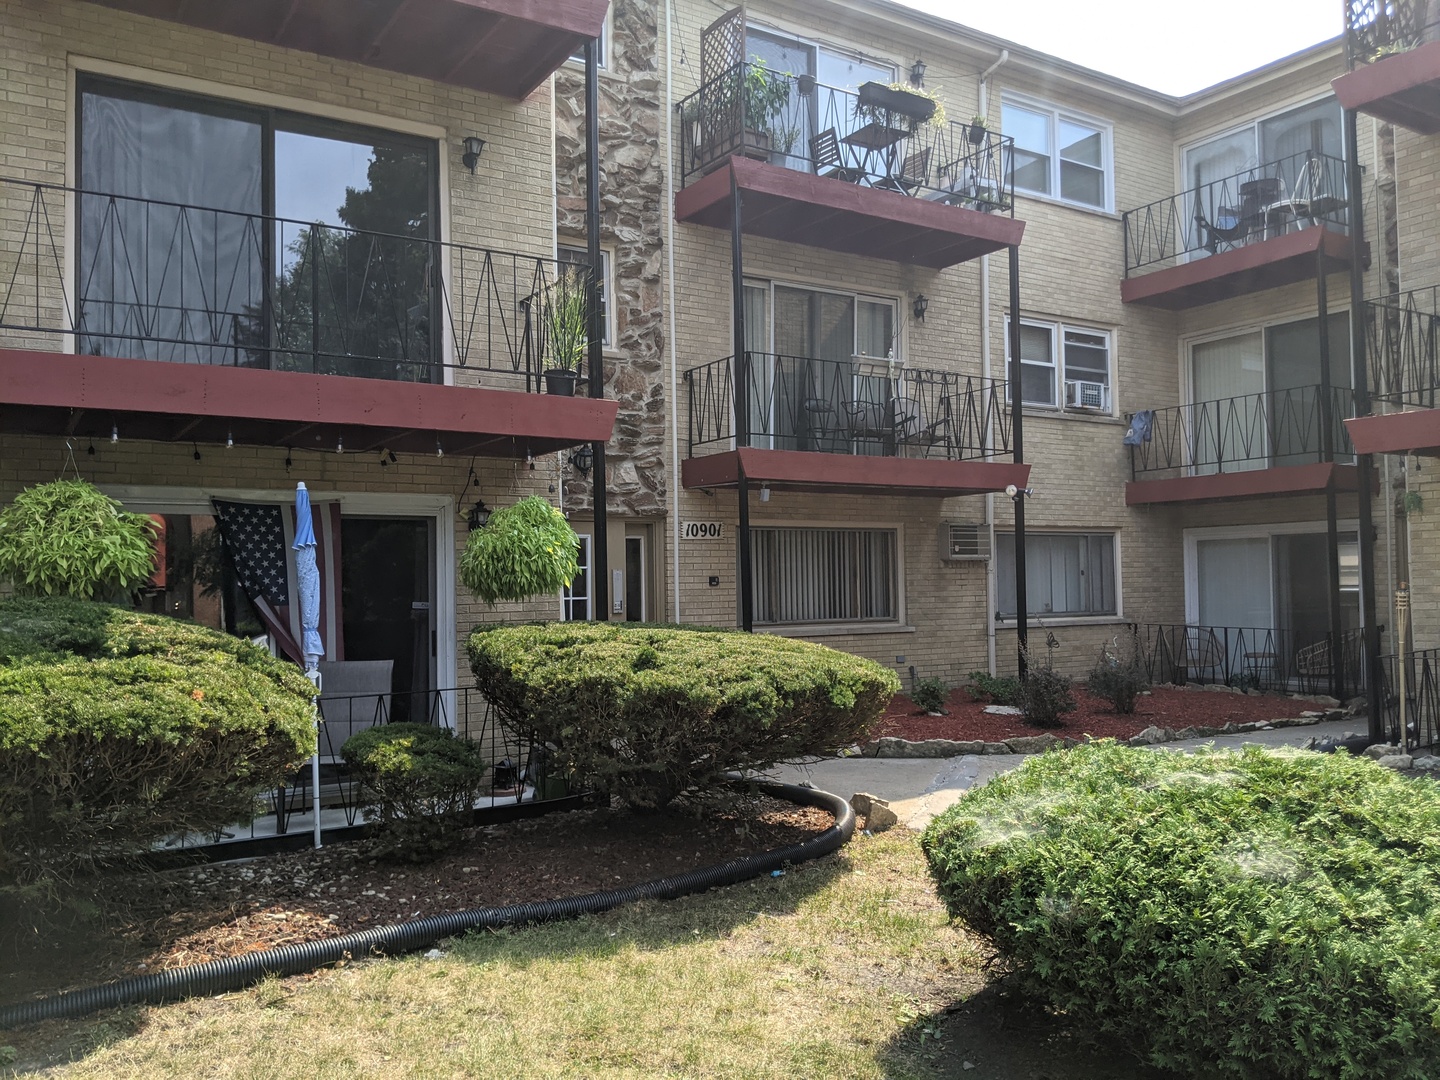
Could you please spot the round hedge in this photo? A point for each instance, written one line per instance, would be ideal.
(648, 712)
(1253, 914)
(118, 729)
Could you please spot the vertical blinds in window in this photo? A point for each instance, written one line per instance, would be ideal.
(825, 575)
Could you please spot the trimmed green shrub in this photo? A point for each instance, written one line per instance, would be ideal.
(929, 694)
(118, 729)
(994, 689)
(420, 781)
(648, 713)
(1044, 696)
(525, 550)
(1118, 678)
(68, 538)
(1252, 914)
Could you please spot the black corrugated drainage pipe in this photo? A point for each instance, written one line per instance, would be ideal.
(238, 972)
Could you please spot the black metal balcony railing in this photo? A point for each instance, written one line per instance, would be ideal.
(519, 769)
(1295, 192)
(164, 281)
(1421, 724)
(862, 407)
(1402, 335)
(1251, 658)
(1252, 431)
(1375, 29)
(878, 138)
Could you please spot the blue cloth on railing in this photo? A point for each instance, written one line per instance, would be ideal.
(1141, 424)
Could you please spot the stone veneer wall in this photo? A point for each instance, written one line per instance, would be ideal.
(632, 184)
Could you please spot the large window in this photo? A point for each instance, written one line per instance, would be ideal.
(1064, 365)
(574, 258)
(1058, 153)
(216, 232)
(1065, 573)
(825, 575)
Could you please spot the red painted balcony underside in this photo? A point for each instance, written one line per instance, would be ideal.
(803, 470)
(1314, 479)
(1416, 431)
(1403, 89)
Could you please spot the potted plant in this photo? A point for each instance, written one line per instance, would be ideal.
(566, 339)
(898, 104)
(738, 112)
(977, 130)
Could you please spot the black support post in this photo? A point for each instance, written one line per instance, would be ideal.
(1360, 364)
(600, 545)
(1328, 416)
(1017, 445)
(740, 380)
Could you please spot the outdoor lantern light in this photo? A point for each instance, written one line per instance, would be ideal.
(765, 493)
(439, 450)
(479, 515)
(229, 440)
(917, 74)
(583, 459)
(922, 304)
(339, 444)
(473, 146)
(114, 433)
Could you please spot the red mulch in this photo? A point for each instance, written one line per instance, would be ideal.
(1165, 706)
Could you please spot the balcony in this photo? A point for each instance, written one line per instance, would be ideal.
(1393, 50)
(1251, 446)
(859, 425)
(505, 47)
(868, 173)
(210, 325)
(1402, 335)
(1268, 226)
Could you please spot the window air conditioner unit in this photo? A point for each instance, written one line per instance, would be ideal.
(964, 543)
(1087, 395)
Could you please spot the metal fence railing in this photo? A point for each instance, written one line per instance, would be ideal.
(1402, 335)
(1252, 431)
(163, 281)
(879, 137)
(518, 766)
(1255, 658)
(1421, 724)
(862, 407)
(1375, 29)
(1295, 192)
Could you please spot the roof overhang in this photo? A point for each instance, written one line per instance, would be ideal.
(802, 208)
(1403, 88)
(1264, 264)
(506, 47)
(803, 470)
(90, 396)
(1313, 479)
(1415, 431)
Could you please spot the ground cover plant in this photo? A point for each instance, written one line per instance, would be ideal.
(649, 712)
(1252, 914)
(118, 729)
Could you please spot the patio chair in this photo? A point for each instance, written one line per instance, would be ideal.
(1309, 201)
(913, 173)
(1196, 650)
(354, 695)
(917, 426)
(829, 162)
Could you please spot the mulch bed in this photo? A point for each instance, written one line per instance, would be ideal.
(208, 912)
(1165, 706)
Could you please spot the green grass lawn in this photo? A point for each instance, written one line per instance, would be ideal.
(828, 970)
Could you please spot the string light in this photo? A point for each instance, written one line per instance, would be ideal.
(439, 450)
(339, 444)
(229, 440)
(114, 433)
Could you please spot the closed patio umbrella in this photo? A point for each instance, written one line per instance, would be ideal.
(307, 583)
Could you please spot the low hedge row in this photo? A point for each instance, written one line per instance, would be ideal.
(118, 729)
(1253, 914)
(649, 712)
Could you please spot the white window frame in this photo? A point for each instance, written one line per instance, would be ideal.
(1054, 115)
(1060, 374)
(1005, 540)
(568, 598)
(577, 58)
(1253, 125)
(607, 285)
(891, 624)
(771, 284)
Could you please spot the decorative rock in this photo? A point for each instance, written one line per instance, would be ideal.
(890, 747)
(1381, 750)
(876, 811)
(996, 748)
(1425, 764)
(1004, 710)
(1319, 699)
(1394, 761)
(1184, 733)
(1150, 736)
(1032, 744)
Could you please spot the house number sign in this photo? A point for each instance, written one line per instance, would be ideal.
(700, 530)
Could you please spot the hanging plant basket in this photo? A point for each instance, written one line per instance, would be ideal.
(526, 550)
(68, 538)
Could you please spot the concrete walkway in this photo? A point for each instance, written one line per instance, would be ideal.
(919, 788)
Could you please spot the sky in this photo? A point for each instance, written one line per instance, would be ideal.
(1165, 45)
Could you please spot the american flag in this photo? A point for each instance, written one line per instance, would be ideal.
(258, 539)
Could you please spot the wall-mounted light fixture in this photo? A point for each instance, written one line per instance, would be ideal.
(1015, 492)
(765, 493)
(917, 74)
(473, 147)
(921, 305)
(479, 516)
(583, 459)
